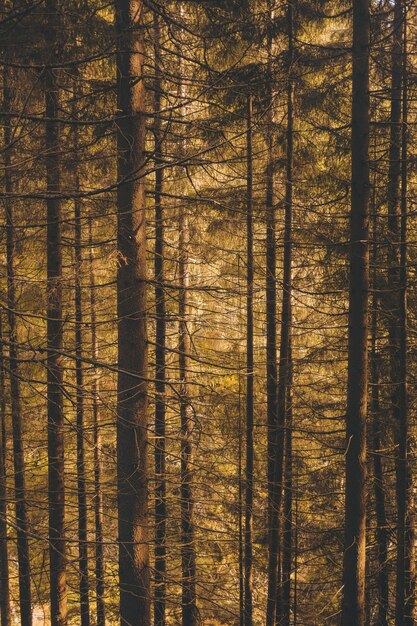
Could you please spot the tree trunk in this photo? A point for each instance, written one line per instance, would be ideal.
(98, 496)
(160, 399)
(397, 317)
(132, 424)
(240, 486)
(287, 549)
(5, 613)
(379, 492)
(284, 368)
(353, 604)
(378, 469)
(271, 347)
(79, 374)
(56, 484)
(22, 523)
(405, 493)
(248, 557)
(189, 601)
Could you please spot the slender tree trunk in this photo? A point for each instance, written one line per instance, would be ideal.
(271, 347)
(132, 423)
(248, 557)
(22, 523)
(287, 550)
(353, 604)
(295, 593)
(56, 482)
(378, 482)
(189, 600)
(284, 353)
(405, 495)
(240, 488)
(379, 493)
(397, 322)
(84, 586)
(98, 495)
(5, 613)
(160, 399)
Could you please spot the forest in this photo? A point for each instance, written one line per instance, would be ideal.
(208, 312)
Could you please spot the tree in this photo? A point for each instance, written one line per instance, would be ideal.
(22, 522)
(5, 613)
(160, 349)
(274, 448)
(132, 472)
(353, 605)
(188, 557)
(84, 585)
(248, 557)
(56, 481)
(98, 495)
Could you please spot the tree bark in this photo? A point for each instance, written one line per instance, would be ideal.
(188, 558)
(240, 487)
(22, 522)
(248, 556)
(132, 424)
(406, 568)
(353, 604)
(84, 585)
(5, 612)
(287, 549)
(271, 347)
(160, 375)
(56, 482)
(284, 368)
(98, 495)
(378, 469)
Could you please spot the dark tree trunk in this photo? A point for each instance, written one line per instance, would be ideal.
(295, 592)
(160, 399)
(378, 469)
(5, 613)
(132, 423)
(271, 347)
(98, 496)
(284, 410)
(240, 495)
(189, 600)
(287, 549)
(353, 604)
(248, 557)
(397, 319)
(379, 492)
(79, 374)
(56, 483)
(406, 568)
(22, 523)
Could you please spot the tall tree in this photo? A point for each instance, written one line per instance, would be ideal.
(284, 364)
(353, 605)
(406, 567)
(22, 522)
(287, 542)
(84, 586)
(248, 556)
(132, 423)
(160, 348)
(397, 323)
(381, 532)
(56, 482)
(5, 612)
(274, 452)
(188, 557)
(98, 494)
